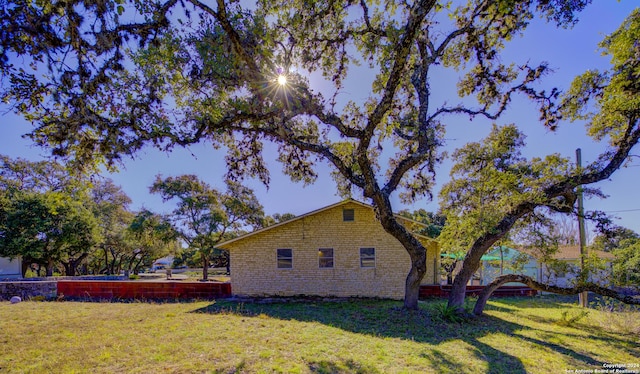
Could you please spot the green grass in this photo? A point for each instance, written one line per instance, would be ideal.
(361, 336)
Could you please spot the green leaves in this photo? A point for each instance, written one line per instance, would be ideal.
(45, 227)
(490, 179)
(610, 100)
(203, 216)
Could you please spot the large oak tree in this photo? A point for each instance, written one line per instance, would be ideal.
(104, 79)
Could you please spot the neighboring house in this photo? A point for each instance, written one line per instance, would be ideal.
(162, 263)
(560, 271)
(339, 250)
(567, 266)
(10, 269)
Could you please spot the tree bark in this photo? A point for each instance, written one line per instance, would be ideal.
(469, 266)
(205, 266)
(50, 264)
(508, 278)
(473, 258)
(417, 252)
(72, 266)
(412, 284)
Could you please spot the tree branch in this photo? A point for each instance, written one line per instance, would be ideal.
(508, 278)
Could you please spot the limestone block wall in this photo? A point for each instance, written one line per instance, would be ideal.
(254, 269)
(28, 289)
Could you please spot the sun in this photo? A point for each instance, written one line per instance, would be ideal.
(282, 79)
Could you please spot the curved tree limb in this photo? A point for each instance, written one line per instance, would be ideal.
(563, 189)
(508, 278)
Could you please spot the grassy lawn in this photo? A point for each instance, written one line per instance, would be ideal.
(362, 336)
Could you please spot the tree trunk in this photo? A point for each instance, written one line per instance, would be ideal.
(417, 252)
(25, 265)
(72, 267)
(136, 269)
(205, 266)
(412, 284)
(50, 268)
(508, 278)
(107, 269)
(472, 260)
(67, 269)
(459, 289)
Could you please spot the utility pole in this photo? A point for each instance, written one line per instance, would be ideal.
(583, 241)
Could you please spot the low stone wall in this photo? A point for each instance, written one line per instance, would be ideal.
(28, 289)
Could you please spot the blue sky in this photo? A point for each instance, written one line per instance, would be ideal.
(569, 52)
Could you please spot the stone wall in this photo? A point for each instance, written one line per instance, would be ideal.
(28, 289)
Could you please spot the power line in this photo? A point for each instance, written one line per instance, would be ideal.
(621, 211)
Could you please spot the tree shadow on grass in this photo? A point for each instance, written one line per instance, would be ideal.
(388, 319)
(564, 350)
(343, 366)
(596, 333)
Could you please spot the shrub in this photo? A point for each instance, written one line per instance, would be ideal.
(570, 321)
(448, 314)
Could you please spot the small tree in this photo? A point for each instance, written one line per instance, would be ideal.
(625, 245)
(203, 216)
(110, 205)
(152, 237)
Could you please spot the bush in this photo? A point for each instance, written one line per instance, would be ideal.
(570, 321)
(448, 314)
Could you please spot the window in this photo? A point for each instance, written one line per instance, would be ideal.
(367, 257)
(285, 258)
(325, 257)
(348, 215)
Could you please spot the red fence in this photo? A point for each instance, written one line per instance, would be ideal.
(142, 290)
(504, 291)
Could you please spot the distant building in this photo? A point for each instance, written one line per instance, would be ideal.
(564, 272)
(162, 263)
(560, 271)
(10, 269)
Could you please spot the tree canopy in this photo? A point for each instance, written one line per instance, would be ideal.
(69, 223)
(203, 216)
(105, 79)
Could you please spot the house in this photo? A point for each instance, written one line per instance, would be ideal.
(339, 250)
(10, 269)
(561, 270)
(162, 263)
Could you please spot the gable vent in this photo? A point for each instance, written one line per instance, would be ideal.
(348, 215)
